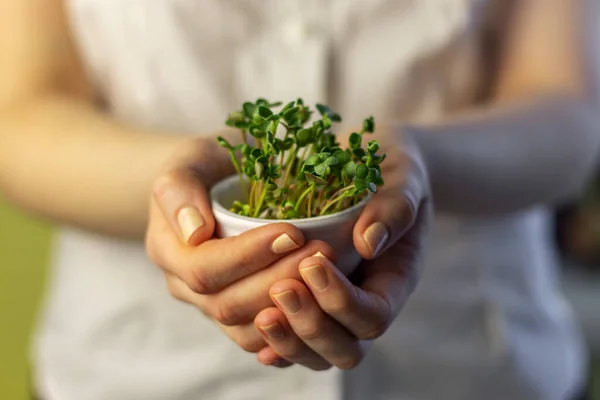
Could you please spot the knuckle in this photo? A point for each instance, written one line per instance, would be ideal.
(199, 282)
(164, 183)
(311, 332)
(224, 314)
(342, 305)
(244, 259)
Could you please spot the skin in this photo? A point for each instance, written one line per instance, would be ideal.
(46, 100)
(543, 100)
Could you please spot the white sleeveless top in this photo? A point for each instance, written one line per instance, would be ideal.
(487, 320)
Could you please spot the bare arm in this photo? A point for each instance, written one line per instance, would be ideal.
(538, 138)
(59, 156)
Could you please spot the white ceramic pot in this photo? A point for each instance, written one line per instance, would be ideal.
(335, 229)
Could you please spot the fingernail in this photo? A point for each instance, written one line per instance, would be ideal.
(289, 301)
(189, 220)
(376, 237)
(283, 244)
(319, 254)
(315, 276)
(273, 331)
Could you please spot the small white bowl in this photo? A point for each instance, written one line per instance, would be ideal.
(335, 229)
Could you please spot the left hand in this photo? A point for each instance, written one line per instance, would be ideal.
(327, 320)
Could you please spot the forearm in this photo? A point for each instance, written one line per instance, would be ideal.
(507, 158)
(63, 160)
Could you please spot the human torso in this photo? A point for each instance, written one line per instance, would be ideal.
(486, 311)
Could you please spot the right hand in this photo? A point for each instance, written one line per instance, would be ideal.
(225, 278)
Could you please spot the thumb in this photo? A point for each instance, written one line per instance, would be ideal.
(185, 204)
(383, 222)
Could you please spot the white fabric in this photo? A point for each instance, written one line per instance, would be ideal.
(486, 321)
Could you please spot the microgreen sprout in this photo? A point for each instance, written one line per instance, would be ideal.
(291, 165)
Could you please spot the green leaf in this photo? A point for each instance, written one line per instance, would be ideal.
(290, 113)
(322, 169)
(373, 175)
(373, 147)
(255, 153)
(342, 156)
(313, 160)
(257, 133)
(350, 169)
(379, 181)
(360, 153)
(273, 171)
(224, 143)
(379, 159)
(326, 121)
(242, 124)
(314, 179)
(259, 170)
(355, 141)
(369, 125)
(246, 209)
(249, 109)
(271, 185)
(360, 185)
(331, 161)
(336, 117)
(287, 107)
(273, 117)
(361, 171)
(264, 112)
(235, 116)
(323, 109)
(246, 150)
(304, 137)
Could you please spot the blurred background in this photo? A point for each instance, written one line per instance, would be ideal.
(24, 251)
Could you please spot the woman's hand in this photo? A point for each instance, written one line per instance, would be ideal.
(326, 320)
(225, 278)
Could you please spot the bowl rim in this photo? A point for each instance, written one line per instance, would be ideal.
(299, 221)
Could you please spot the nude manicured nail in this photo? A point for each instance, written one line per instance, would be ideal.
(319, 254)
(189, 220)
(289, 301)
(376, 237)
(273, 331)
(315, 276)
(283, 244)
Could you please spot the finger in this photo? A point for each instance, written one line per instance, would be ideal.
(246, 336)
(383, 221)
(368, 310)
(217, 263)
(240, 302)
(185, 204)
(313, 327)
(394, 207)
(365, 315)
(272, 323)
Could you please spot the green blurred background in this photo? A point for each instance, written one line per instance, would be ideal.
(24, 249)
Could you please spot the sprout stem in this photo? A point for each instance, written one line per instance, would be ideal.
(260, 201)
